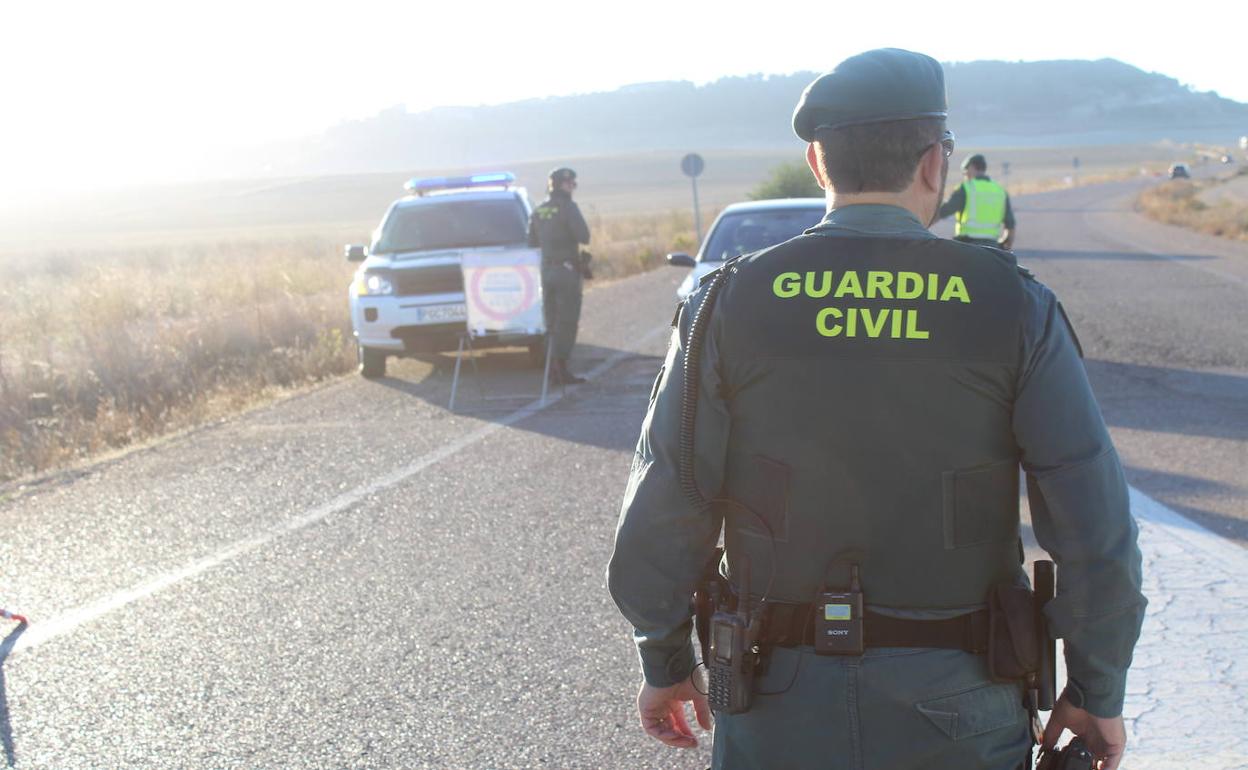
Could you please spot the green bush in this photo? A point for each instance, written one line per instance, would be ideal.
(788, 180)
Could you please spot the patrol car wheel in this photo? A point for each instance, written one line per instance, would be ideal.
(372, 362)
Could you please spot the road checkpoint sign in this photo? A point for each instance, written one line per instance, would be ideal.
(503, 292)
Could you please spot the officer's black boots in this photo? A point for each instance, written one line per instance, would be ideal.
(560, 374)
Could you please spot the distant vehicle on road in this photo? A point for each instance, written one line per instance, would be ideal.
(745, 227)
(407, 297)
(1180, 171)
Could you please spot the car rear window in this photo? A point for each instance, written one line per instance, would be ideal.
(750, 231)
(453, 224)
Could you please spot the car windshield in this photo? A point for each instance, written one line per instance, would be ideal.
(753, 230)
(452, 224)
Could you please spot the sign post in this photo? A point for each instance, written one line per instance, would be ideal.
(692, 166)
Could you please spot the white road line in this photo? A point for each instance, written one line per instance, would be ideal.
(43, 631)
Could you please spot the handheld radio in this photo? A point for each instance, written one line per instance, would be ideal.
(734, 650)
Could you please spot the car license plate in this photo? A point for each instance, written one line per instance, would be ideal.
(442, 313)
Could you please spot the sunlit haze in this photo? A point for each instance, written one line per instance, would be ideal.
(115, 93)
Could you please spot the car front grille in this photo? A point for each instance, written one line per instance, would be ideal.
(435, 279)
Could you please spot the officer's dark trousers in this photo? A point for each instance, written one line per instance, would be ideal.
(561, 303)
(891, 709)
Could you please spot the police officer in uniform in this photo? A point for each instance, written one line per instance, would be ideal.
(982, 207)
(865, 395)
(558, 228)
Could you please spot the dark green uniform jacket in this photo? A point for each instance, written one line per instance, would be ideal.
(871, 390)
(558, 228)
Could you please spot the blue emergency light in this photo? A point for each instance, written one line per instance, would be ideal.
(418, 186)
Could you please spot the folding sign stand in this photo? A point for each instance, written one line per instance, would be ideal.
(465, 339)
(503, 298)
(465, 342)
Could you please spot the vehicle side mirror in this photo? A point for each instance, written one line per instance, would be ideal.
(680, 259)
(356, 253)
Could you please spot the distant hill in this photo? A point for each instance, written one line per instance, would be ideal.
(991, 102)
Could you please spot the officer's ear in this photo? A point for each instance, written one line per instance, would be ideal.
(932, 169)
(812, 160)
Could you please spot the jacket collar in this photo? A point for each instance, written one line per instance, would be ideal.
(872, 219)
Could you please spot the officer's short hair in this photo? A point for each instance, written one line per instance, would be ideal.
(976, 162)
(878, 157)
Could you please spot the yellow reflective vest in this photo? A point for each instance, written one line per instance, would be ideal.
(983, 214)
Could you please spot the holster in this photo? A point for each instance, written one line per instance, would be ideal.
(583, 258)
(1020, 648)
(1013, 636)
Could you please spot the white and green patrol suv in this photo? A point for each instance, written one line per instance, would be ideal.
(407, 296)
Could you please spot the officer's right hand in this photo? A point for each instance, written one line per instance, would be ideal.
(662, 711)
(1105, 737)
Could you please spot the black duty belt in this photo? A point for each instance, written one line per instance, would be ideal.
(789, 625)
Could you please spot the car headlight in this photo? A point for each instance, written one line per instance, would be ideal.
(372, 285)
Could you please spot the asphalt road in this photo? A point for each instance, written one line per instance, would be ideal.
(1162, 314)
(356, 577)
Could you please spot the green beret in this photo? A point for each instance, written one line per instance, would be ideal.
(878, 86)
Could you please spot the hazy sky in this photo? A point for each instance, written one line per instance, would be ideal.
(134, 91)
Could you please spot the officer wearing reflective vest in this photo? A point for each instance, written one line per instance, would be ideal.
(981, 207)
(851, 409)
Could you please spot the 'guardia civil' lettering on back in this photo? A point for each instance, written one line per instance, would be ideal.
(843, 320)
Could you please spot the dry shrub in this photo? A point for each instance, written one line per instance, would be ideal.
(1178, 202)
(101, 349)
(104, 348)
(626, 245)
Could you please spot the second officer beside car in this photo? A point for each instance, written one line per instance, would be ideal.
(558, 227)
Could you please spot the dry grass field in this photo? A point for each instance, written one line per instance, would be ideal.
(128, 314)
(1195, 204)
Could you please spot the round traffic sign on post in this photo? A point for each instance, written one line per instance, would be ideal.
(692, 164)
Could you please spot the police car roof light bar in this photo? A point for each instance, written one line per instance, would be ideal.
(427, 185)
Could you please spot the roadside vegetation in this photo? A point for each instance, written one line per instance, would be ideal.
(1179, 202)
(788, 180)
(102, 349)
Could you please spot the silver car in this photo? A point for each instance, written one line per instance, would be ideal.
(745, 227)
